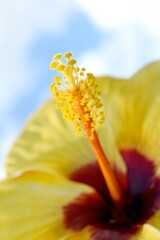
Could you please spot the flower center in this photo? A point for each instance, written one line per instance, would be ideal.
(141, 191)
(77, 97)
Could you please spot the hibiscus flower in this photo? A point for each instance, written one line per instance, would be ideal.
(101, 185)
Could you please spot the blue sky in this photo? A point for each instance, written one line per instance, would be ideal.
(107, 37)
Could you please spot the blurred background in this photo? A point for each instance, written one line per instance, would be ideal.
(112, 37)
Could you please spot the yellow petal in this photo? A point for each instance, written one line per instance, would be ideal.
(50, 141)
(148, 232)
(151, 131)
(31, 205)
(132, 110)
(82, 235)
(155, 220)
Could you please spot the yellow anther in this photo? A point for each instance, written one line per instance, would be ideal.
(95, 116)
(53, 65)
(72, 62)
(57, 56)
(86, 109)
(87, 116)
(91, 81)
(81, 74)
(84, 84)
(82, 102)
(54, 88)
(92, 130)
(76, 95)
(89, 75)
(76, 70)
(57, 78)
(101, 114)
(98, 104)
(93, 124)
(68, 55)
(92, 137)
(51, 87)
(56, 94)
(60, 67)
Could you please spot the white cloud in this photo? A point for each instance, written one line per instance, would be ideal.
(134, 38)
(110, 14)
(106, 13)
(2, 173)
(123, 53)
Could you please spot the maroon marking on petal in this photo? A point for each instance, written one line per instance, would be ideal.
(112, 232)
(87, 209)
(91, 210)
(140, 171)
(155, 196)
(141, 191)
(91, 175)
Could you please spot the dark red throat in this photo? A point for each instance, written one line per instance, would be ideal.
(141, 190)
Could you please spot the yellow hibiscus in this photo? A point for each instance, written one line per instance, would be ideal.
(55, 188)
